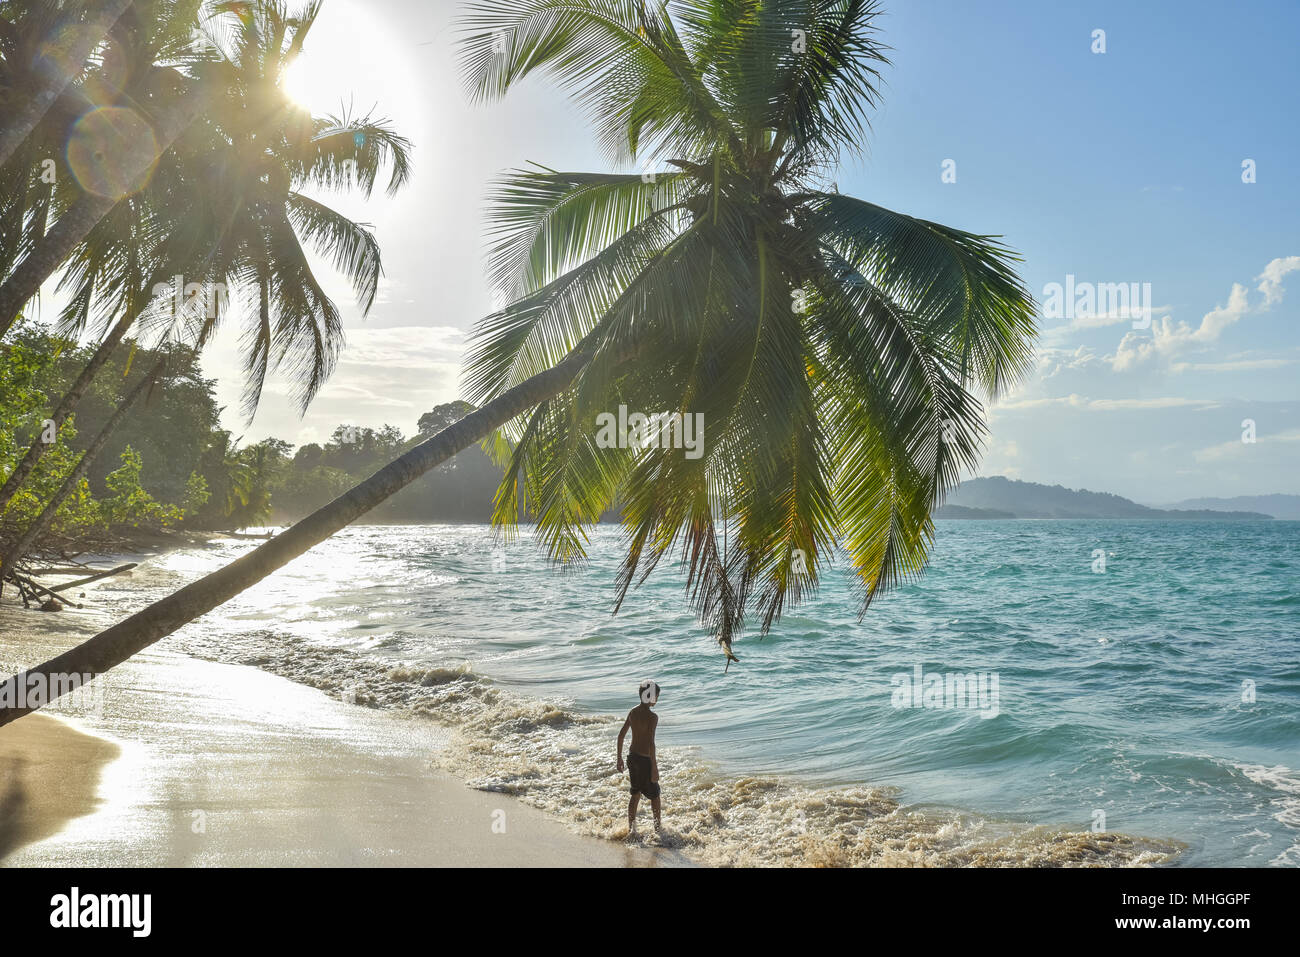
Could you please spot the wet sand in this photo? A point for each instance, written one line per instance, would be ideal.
(184, 762)
(49, 775)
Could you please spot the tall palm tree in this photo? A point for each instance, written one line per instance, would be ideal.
(266, 156)
(117, 117)
(227, 210)
(42, 57)
(832, 345)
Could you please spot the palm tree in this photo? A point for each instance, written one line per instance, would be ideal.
(251, 489)
(227, 209)
(265, 156)
(120, 112)
(226, 212)
(831, 344)
(41, 59)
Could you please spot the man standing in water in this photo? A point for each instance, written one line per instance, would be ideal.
(642, 762)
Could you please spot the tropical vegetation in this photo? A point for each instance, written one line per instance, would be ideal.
(839, 351)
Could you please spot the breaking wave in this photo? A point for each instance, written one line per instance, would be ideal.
(560, 760)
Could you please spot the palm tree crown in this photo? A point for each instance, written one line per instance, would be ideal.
(835, 348)
(231, 208)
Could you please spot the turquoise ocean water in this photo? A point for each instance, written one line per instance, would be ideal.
(1158, 699)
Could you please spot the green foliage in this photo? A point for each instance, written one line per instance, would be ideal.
(23, 364)
(170, 463)
(837, 351)
(127, 503)
(459, 491)
(196, 494)
(148, 474)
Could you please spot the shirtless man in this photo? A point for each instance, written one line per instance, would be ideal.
(642, 762)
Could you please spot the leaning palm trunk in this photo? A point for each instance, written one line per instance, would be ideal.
(118, 643)
(43, 521)
(69, 402)
(77, 222)
(50, 253)
(21, 126)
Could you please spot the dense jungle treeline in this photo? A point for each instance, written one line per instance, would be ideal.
(170, 464)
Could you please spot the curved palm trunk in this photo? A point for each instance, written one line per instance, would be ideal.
(55, 247)
(128, 637)
(69, 402)
(20, 127)
(75, 224)
(42, 521)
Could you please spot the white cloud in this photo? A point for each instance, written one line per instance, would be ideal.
(404, 347)
(1076, 401)
(1052, 362)
(1226, 450)
(1271, 278)
(1167, 402)
(1169, 338)
(1112, 317)
(1236, 365)
(385, 375)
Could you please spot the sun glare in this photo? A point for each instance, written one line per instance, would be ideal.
(348, 60)
(297, 82)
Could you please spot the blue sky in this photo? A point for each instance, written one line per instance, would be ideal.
(1115, 167)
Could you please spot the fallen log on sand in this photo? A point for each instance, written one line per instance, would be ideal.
(24, 583)
(94, 578)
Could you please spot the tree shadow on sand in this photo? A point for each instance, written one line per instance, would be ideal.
(13, 798)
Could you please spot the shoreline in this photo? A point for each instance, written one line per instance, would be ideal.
(265, 741)
(305, 785)
(191, 762)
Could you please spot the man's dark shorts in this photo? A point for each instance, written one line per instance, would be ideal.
(640, 769)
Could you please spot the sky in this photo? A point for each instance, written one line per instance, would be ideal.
(999, 118)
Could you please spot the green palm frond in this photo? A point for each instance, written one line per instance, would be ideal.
(832, 347)
(619, 59)
(961, 286)
(545, 223)
(530, 336)
(347, 152)
(902, 426)
(352, 245)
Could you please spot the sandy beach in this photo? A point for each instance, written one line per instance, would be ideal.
(49, 775)
(195, 763)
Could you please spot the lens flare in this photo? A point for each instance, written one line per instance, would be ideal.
(65, 51)
(112, 151)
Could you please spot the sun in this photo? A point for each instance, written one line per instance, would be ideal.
(349, 61)
(297, 82)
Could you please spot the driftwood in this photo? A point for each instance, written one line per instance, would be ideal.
(59, 554)
(30, 590)
(22, 592)
(26, 584)
(94, 578)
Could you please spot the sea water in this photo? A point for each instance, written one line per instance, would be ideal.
(1134, 688)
